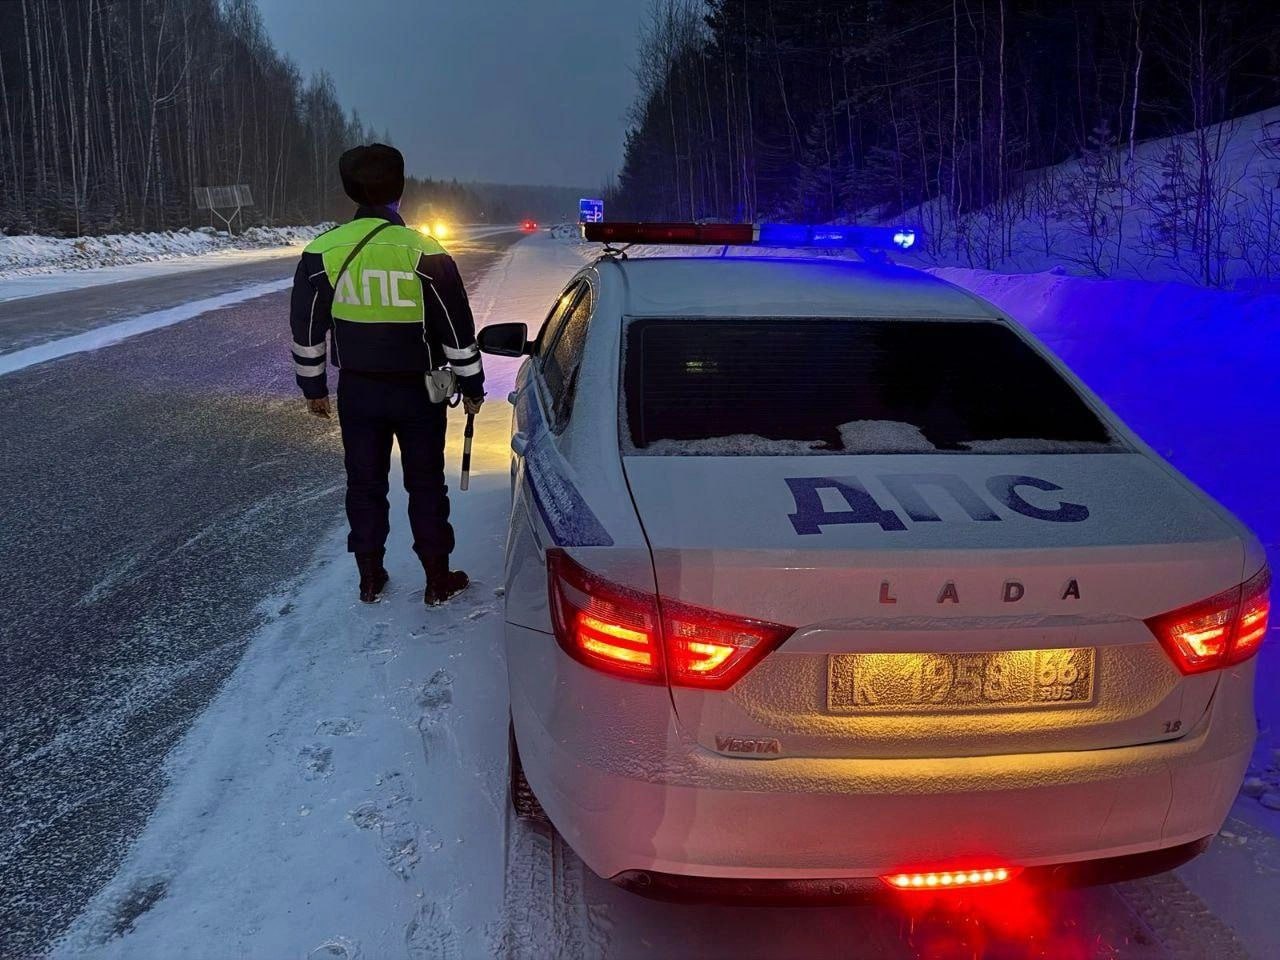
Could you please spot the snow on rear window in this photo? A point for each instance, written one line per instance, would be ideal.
(774, 386)
(738, 445)
(872, 436)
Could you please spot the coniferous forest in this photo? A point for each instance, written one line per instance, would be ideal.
(112, 112)
(861, 109)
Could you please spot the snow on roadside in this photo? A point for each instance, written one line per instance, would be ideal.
(26, 255)
(76, 274)
(1103, 214)
(344, 795)
(22, 286)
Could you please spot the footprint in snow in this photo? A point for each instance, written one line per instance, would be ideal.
(377, 636)
(337, 948)
(338, 727)
(377, 645)
(431, 936)
(433, 700)
(316, 761)
(436, 694)
(398, 835)
(447, 632)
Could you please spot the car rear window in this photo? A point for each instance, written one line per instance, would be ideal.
(786, 386)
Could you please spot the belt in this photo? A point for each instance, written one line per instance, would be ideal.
(385, 376)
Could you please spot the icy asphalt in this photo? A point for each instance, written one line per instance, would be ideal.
(29, 321)
(154, 494)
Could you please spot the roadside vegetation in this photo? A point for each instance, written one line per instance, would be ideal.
(993, 125)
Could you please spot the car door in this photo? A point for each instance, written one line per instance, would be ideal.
(546, 336)
(542, 483)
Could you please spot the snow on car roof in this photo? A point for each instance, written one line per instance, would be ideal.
(755, 286)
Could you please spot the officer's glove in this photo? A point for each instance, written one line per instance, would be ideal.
(319, 407)
(472, 405)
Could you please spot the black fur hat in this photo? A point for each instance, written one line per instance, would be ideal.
(372, 175)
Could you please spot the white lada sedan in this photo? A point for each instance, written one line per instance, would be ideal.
(826, 576)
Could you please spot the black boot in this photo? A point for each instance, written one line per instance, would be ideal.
(442, 583)
(373, 576)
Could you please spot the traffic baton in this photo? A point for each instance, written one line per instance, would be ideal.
(467, 434)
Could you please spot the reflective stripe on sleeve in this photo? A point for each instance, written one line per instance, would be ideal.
(465, 353)
(467, 369)
(308, 371)
(308, 352)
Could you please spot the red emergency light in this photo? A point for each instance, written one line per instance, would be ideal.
(733, 234)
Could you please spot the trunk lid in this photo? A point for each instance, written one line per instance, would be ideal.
(944, 604)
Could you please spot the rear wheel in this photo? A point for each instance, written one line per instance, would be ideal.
(523, 800)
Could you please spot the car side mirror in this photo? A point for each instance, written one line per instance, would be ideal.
(505, 340)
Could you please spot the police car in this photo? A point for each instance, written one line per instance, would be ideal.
(826, 577)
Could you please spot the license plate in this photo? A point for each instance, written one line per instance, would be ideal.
(959, 682)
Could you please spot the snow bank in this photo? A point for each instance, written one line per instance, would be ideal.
(29, 254)
(566, 232)
(1103, 214)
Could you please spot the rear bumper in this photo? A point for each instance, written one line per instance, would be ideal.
(690, 889)
(631, 795)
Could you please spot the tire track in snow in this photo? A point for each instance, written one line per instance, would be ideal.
(1179, 920)
(544, 909)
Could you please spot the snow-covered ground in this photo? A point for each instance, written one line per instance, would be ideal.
(33, 266)
(1105, 214)
(21, 286)
(345, 794)
(28, 255)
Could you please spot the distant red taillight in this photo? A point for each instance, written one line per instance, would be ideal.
(636, 635)
(951, 879)
(1226, 629)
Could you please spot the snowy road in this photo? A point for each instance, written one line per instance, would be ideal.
(27, 321)
(344, 795)
(155, 493)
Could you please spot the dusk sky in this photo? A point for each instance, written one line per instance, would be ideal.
(512, 91)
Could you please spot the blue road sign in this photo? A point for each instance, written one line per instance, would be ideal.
(590, 211)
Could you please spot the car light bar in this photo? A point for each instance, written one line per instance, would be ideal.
(948, 879)
(748, 234)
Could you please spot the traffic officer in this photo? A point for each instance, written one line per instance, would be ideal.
(394, 306)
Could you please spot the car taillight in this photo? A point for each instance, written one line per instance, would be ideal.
(634, 634)
(602, 624)
(713, 650)
(1225, 629)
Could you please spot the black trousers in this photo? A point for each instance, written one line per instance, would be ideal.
(372, 409)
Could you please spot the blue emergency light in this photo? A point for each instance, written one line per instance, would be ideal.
(750, 234)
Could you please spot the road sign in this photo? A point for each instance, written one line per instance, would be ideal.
(590, 211)
(233, 197)
(226, 198)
